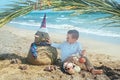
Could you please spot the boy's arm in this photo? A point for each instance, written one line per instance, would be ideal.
(56, 45)
(80, 51)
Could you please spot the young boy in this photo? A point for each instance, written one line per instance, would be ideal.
(71, 52)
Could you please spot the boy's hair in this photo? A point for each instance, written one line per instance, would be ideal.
(75, 33)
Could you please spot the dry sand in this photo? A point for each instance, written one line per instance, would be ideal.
(15, 43)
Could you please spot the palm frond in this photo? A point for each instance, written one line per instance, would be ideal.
(13, 15)
(16, 10)
(80, 6)
(88, 6)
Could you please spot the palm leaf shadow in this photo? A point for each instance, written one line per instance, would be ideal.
(10, 56)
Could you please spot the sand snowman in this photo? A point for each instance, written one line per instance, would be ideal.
(40, 52)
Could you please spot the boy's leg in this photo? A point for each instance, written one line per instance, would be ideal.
(91, 68)
(75, 60)
(88, 65)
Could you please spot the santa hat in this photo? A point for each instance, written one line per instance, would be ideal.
(43, 27)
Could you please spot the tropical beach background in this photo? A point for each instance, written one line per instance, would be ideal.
(61, 21)
(99, 32)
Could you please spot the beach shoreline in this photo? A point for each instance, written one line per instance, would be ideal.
(17, 41)
(91, 46)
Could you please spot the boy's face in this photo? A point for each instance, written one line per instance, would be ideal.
(70, 39)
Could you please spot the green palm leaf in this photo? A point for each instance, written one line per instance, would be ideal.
(88, 6)
(13, 12)
(19, 8)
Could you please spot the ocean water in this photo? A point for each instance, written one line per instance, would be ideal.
(62, 21)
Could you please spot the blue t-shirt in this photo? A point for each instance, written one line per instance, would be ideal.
(68, 49)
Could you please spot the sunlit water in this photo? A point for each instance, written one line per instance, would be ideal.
(62, 21)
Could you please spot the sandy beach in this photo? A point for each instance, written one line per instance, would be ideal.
(16, 42)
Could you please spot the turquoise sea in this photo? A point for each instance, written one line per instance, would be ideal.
(62, 21)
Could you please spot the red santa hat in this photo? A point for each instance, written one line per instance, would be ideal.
(43, 27)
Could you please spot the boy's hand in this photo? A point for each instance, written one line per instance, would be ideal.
(82, 60)
(83, 52)
(48, 41)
